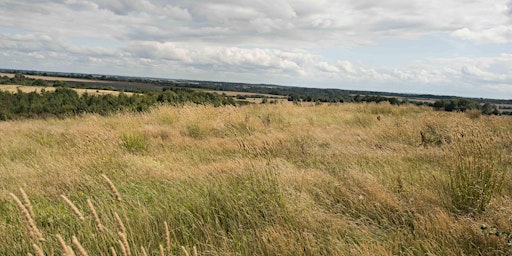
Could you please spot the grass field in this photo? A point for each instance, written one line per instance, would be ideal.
(351, 179)
(56, 78)
(120, 85)
(27, 89)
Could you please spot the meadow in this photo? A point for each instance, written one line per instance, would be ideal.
(274, 179)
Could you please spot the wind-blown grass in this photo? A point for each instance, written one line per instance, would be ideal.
(254, 180)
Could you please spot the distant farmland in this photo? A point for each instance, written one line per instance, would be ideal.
(104, 84)
(55, 78)
(27, 89)
(243, 92)
(112, 86)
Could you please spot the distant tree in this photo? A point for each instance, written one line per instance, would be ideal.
(490, 109)
(19, 76)
(39, 82)
(59, 83)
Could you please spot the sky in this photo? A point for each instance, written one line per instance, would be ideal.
(443, 47)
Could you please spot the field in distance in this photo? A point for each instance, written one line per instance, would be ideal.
(250, 97)
(27, 89)
(255, 93)
(55, 78)
(261, 179)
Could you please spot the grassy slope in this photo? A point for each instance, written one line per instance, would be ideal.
(255, 180)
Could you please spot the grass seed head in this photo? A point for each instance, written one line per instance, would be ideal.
(162, 251)
(167, 237)
(97, 220)
(113, 251)
(124, 239)
(124, 252)
(27, 203)
(75, 210)
(28, 220)
(79, 246)
(120, 224)
(112, 188)
(38, 250)
(143, 251)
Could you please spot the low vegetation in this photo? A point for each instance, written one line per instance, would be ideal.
(252, 93)
(281, 179)
(65, 102)
(464, 105)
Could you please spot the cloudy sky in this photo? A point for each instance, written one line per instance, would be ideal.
(449, 47)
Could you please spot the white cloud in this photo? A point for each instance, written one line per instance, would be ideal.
(271, 22)
(35, 55)
(346, 66)
(328, 68)
(499, 34)
(129, 7)
(156, 50)
(508, 9)
(305, 42)
(235, 59)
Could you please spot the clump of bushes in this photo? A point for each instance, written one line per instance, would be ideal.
(65, 102)
(464, 105)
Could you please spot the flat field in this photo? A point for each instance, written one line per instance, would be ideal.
(55, 78)
(27, 89)
(283, 179)
(251, 97)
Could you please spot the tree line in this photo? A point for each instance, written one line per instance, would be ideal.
(63, 101)
(463, 105)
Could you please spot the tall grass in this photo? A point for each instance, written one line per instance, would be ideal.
(265, 180)
(478, 164)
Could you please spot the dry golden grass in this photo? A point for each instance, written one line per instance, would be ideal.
(55, 78)
(24, 88)
(27, 89)
(95, 215)
(80, 249)
(263, 179)
(72, 206)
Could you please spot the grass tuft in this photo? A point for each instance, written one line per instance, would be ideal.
(478, 167)
(134, 142)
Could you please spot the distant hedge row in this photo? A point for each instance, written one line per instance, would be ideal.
(462, 105)
(67, 102)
